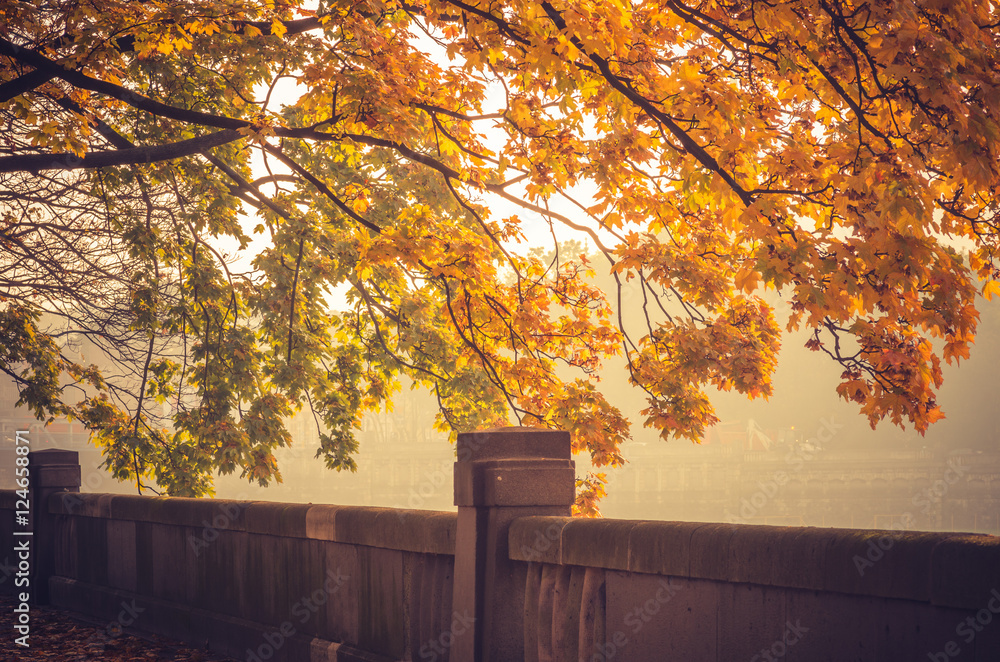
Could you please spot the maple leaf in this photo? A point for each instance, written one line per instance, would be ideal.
(708, 151)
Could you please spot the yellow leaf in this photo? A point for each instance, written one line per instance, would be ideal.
(746, 280)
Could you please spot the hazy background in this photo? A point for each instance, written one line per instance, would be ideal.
(802, 458)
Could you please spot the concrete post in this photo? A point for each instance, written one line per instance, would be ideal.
(501, 474)
(51, 470)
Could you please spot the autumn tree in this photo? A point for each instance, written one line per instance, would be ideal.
(842, 153)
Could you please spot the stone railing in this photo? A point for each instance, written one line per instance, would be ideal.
(509, 577)
(273, 581)
(259, 580)
(644, 590)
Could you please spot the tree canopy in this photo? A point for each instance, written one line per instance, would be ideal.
(842, 153)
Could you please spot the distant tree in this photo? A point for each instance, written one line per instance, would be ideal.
(845, 153)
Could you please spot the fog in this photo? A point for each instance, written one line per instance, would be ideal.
(804, 457)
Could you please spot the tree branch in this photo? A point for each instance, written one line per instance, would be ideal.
(22, 84)
(117, 157)
(624, 87)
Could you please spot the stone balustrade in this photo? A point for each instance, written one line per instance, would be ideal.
(508, 577)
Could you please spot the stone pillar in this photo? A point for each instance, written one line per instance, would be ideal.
(501, 474)
(51, 470)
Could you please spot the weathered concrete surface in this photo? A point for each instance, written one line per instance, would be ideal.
(51, 471)
(426, 531)
(511, 577)
(501, 475)
(692, 591)
(354, 601)
(948, 569)
(239, 638)
(341, 583)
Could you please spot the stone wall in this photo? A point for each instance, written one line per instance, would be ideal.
(510, 577)
(8, 559)
(258, 580)
(272, 581)
(644, 590)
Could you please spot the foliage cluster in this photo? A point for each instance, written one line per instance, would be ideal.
(843, 152)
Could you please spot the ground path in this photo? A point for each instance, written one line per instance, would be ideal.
(57, 636)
